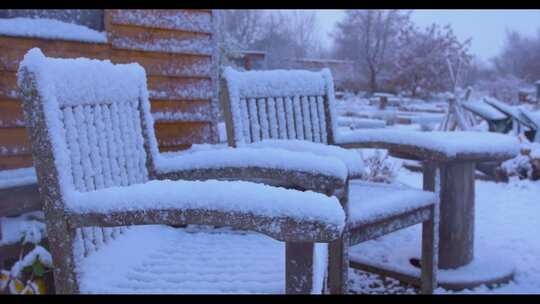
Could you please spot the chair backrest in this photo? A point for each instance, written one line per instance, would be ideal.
(94, 117)
(278, 104)
(90, 127)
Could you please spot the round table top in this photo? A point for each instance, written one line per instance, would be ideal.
(466, 146)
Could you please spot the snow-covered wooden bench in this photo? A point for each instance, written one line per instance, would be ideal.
(97, 164)
(294, 110)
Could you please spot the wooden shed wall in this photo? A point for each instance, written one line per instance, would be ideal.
(177, 50)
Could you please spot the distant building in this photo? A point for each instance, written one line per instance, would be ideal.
(249, 60)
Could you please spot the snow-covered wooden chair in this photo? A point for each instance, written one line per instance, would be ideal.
(98, 165)
(294, 110)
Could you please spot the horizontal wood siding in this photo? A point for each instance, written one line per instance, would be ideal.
(176, 48)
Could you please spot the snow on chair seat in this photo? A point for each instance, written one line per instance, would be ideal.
(95, 151)
(352, 159)
(370, 202)
(188, 261)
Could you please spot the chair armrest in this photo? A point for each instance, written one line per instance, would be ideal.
(284, 214)
(268, 165)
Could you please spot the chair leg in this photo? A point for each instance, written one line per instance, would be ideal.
(65, 279)
(338, 265)
(299, 267)
(429, 262)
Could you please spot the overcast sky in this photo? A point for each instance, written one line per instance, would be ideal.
(486, 27)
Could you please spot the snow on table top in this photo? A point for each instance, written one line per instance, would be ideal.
(371, 201)
(17, 177)
(211, 195)
(51, 29)
(210, 156)
(449, 143)
(352, 159)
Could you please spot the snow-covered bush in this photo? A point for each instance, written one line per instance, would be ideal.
(32, 273)
(380, 168)
(526, 165)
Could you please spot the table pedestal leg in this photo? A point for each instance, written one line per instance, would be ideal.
(459, 267)
(456, 225)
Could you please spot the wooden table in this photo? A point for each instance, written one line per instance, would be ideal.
(455, 166)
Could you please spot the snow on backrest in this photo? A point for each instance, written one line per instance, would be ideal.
(280, 104)
(93, 111)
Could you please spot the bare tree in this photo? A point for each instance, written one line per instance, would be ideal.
(520, 57)
(288, 35)
(244, 26)
(429, 60)
(366, 36)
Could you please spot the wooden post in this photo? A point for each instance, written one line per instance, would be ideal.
(338, 265)
(299, 267)
(383, 101)
(456, 226)
(429, 254)
(338, 252)
(537, 91)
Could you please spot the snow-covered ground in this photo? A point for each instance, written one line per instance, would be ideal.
(506, 223)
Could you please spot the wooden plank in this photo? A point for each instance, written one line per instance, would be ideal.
(12, 50)
(160, 40)
(299, 267)
(180, 110)
(167, 64)
(19, 200)
(14, 141)
(180, 88)
(185, 20)
(182, 133)
(159, 87)
(15, 161)
(184, 110)
(11, 114)
(174, 148)
(8, 85)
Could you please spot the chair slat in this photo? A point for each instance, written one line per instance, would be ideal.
(119, 144)
(102, 142)
(73, 142)
(139, 144)
(95, 157)
(314, 119)
(298, 118)
(127, 144)
(84, 149)
(245, 120)
(272, 117)
(281, 119)
(322, 119)
(289, 115)
(254, 120)
(263, 118)
(111, 146)
(306, 115)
